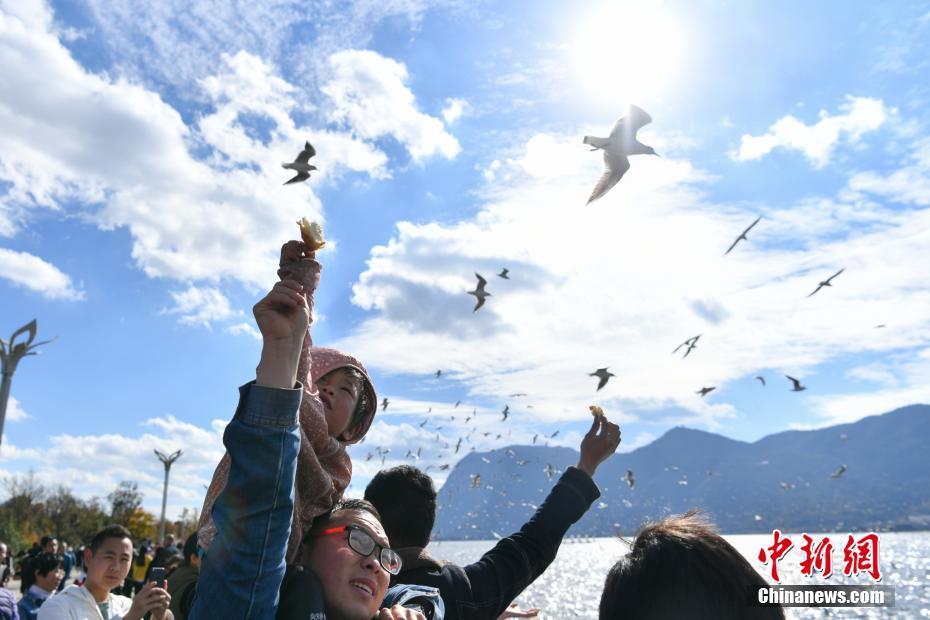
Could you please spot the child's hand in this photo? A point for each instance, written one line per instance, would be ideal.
(282, 315)
(292, 251)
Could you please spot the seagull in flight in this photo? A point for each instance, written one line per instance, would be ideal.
(691, 343)
(827, 281)
(620, 144)
(629, 478)
(479, 292)
(603, 377)
(506, 412)
(742, 236)
(384, 404)
(301, 164)
(761, 380)
(839, 472)
(704, 391)
(503, 274)
(797, 387)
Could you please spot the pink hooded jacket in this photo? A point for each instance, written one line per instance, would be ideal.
(323, 466)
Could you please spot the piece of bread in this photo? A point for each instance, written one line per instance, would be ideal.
(312, 234)
(596, 411)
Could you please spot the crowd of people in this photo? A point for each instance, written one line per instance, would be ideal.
(277, 539)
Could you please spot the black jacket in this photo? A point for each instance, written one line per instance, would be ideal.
(487, 587)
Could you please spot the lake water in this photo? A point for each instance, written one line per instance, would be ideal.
(572, 585)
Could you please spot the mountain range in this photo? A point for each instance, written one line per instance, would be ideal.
(786, 480)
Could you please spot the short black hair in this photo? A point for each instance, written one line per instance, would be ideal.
(110, 531)
(190, 547)
(680, 567)
(406, 498)
(44, 563)
(346, 504)
(46, 539)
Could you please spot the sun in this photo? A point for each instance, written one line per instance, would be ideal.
(628, 52)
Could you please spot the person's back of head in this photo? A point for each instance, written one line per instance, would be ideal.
(190, 549)
(406, 499)
(680, 567)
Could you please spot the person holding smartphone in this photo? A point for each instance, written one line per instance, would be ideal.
(108, 559)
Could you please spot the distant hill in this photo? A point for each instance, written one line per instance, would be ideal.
(739, 485)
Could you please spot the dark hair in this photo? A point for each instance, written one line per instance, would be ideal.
(45, 563)
(346, 504)
(110, 531)
(45, 540)
(680, 567)
(406, 498)
(190, 547)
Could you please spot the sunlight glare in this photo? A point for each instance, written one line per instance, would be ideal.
(628, 52)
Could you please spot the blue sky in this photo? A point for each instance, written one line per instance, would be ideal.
(141, 212)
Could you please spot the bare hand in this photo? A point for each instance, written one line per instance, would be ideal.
(150, 598)
(514, 611)
(398, 612)
(282, 315)
(601, 441)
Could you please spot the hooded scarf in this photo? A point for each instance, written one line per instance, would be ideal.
(323, 465)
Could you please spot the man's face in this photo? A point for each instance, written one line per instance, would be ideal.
(51, 547)
(353, 586)
(49, 582)
(339, 393)
(110, 565)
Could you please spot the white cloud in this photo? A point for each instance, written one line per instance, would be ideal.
(859, 115)
(909, 184)
(454, 110)
(190, 220)
(35, 274)
(200, 306)
(621, 282)
(92, 465)
(15, 411)
(369, 93)
(244, 329)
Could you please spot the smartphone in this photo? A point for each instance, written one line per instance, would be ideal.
(157, 574)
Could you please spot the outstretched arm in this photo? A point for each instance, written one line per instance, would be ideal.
(516, 561)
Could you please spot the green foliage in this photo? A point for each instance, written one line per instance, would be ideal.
(31, 511)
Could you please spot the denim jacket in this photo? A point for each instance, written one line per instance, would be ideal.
(242, 573)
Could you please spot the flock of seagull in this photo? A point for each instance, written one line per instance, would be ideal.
(618, 146)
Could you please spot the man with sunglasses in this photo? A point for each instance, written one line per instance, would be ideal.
(344, 572)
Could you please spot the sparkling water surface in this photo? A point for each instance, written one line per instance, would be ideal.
(571, 586)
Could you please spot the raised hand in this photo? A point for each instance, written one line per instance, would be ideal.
(602, 440)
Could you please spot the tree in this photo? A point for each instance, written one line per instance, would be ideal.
(143, 525)
(125, 500)
(72, 519)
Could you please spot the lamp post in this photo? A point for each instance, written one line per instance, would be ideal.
(167, 461)
(10, 354)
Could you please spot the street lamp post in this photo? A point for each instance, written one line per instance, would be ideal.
(167, 461)
(10, 354)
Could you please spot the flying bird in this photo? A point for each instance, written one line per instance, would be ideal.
(534, 438)
(552, 436)
(742, 236)
(506, 412)
(761, 380)
(458, 445)
(384, 404)
(444, 467)
(603, 377)
(503, 274)
(797, 387)
(475, 480)
(839, 472)
(629, 478)
(549, 471)
(618, 146)
(691, 343)
(704, 391)
(827, 281)
(787, 485)
(301, 164)
(457, 403)
(479, 292)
